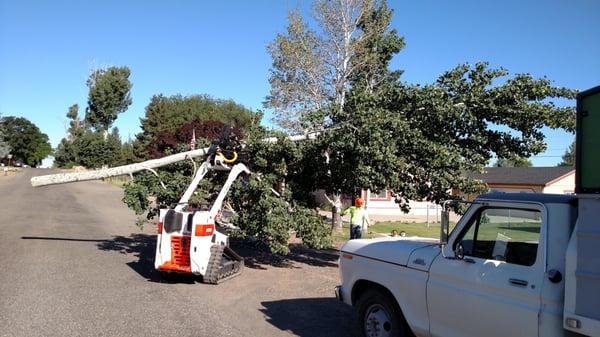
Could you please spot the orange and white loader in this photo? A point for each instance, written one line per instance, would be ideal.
(192, 241)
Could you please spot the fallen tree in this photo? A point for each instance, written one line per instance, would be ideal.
(70, 177)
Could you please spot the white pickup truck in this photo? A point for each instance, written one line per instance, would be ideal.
(516, 264)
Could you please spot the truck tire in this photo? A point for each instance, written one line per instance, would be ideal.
(380, 316)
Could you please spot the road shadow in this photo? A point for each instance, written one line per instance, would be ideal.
(312, 317)
(257, 255)
(141, 246)
(48, 238)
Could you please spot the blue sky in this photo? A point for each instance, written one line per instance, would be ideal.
(47, 49)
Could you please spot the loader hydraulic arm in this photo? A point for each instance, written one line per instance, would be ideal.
(204, 168)
(236, 170)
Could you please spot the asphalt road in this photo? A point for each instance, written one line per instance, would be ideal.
(73, 263)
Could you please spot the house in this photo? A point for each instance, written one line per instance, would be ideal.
(556, 179)
(383, 204)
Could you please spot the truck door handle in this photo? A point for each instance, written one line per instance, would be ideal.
(517, 282)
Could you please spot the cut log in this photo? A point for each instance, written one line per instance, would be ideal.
(70, 177)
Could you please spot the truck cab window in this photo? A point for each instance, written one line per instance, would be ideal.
(504, 234)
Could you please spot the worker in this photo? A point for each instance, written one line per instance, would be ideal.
(359, 220)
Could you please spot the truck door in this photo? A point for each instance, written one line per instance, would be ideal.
(492, 284)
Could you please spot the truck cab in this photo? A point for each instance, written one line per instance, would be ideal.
(500, 272)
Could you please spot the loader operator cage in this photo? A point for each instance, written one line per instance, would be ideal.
(587, 166)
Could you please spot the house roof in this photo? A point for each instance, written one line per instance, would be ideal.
(521, 175)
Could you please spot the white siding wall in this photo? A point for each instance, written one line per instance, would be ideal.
(375, 206)
(563, 185)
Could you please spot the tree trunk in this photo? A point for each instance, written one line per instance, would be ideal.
(62, 178)
(336, 213)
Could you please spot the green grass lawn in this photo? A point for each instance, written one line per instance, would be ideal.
(522, 231)
(516, 231)
(386, 227)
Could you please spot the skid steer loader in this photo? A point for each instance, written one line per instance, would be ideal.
(191, 240)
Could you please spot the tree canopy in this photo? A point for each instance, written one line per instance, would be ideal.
(76, 126)
(28, 144)
(312, 68)
(568, 159)
(109, 95)
(166, 114)
(86, 147)
(91, 142)
(416, 140)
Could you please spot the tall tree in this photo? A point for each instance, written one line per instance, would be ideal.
(65, 153)
(346, 170)
(4, 146)
(29, 145)
(311, 71)
(375, 51)
(298, 76)
(90, 142)
(76, 127)
(568, 159)
(340, 22)
(109, 95)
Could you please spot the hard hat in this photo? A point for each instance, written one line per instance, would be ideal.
(358, 202)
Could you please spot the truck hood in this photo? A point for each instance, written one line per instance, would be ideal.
(395, 250)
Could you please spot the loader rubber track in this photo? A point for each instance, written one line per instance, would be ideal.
(223, 264)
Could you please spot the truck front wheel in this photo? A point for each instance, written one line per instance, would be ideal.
(380, 316)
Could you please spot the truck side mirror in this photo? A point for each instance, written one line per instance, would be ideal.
(459, 251)
(445, 226)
